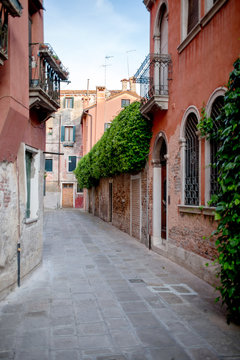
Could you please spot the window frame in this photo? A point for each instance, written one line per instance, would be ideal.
(70, 161)
(122, 103)
(216, 93)
(32, 184)
(68, 99)
(50, 166)
(194, 110)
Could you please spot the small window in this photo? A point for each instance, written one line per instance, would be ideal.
(106, 126)
(50, 131)
(79, 189)
(72, 160)
(48, 165)
(68, 102)
(125, 102)
(68, 133)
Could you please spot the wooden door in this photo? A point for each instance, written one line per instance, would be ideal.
(67, 195)
(163, 202)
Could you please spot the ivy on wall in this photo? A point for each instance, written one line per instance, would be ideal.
(227, 201)
(123, 148)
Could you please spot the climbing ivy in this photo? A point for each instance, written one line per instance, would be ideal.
(123, 148)
(227, 201)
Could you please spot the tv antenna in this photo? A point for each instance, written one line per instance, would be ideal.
(107, 57)
(127, 52)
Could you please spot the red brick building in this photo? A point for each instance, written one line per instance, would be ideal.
(193, 45)
(30, 75)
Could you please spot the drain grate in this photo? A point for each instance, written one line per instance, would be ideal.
(135, 281)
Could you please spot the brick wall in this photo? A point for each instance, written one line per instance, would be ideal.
(121, 203)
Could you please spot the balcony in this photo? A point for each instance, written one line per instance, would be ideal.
(153, 77)
(45, 74)
(13, 7)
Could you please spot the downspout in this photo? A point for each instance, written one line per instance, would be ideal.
(18, 229)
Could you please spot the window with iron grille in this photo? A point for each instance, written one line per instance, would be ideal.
(215, 112)
(193, 14)
(191, 161)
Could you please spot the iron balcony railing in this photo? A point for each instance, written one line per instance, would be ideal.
(153, 76)
(46, 70)
(3, 34)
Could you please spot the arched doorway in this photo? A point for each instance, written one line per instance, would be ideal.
(160, 191)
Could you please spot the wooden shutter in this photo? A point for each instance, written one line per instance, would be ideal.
(74, 130)
(62, 133)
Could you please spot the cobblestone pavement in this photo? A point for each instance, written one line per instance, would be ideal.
(101, 295)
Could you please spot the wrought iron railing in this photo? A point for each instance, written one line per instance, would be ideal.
(46, 70)
(3, 34)
(153, 76)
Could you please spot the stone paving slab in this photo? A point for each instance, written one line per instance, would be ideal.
(101, 295)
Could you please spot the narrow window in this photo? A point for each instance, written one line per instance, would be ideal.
(68, 103)
(79, 189)
(193, 14)
(72, 163)
(125, 102)
(214, 170)
(50, 131)
(191, 161)
(106, 126)
(48, 165)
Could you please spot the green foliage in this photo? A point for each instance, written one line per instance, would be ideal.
(228, 199)
(123, 148)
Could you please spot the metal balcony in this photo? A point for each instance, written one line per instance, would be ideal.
(13, 7)
(153, 77)
(45, 74)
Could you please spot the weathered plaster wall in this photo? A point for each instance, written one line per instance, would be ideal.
(14, 226)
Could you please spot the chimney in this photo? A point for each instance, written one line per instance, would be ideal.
(101, 92)
(124, 84)
(132, 84)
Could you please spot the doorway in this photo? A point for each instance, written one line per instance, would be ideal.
(67, 195)
(160, 189)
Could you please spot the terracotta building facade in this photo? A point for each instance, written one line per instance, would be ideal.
(193, 45)
(29, 94)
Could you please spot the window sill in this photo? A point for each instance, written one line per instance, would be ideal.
(199, 210)
(189, 37)
(211, 12)
(68, 143)
(31, 220)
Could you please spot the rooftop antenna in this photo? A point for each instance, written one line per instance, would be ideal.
(127, 52)
(105, 68)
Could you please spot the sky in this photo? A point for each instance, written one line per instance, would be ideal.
(83, 33)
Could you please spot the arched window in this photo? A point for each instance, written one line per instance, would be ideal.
(191, 161)
(214, 170)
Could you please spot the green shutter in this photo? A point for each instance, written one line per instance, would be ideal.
(62, 133)
(74, 130)
(28, 178)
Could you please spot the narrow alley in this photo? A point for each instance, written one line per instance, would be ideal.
(101, 295)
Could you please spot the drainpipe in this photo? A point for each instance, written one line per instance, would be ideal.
(59, 139)
(18, 228)
(148, 235)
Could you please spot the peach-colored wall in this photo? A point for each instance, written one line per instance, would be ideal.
(105, 111)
